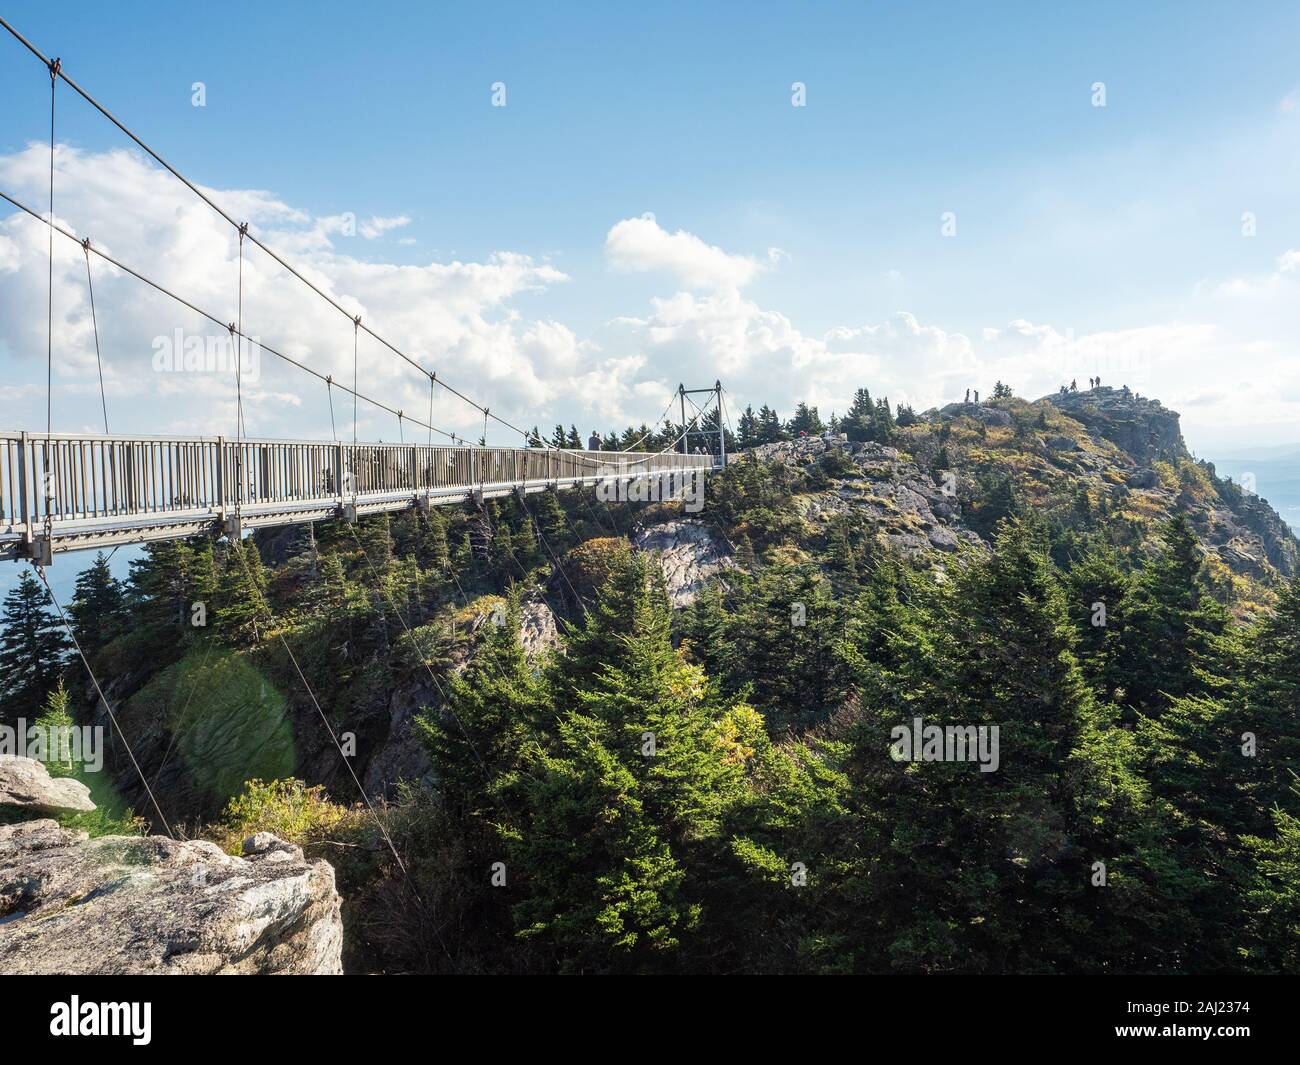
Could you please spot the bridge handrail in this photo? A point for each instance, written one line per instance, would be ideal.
(97, 476)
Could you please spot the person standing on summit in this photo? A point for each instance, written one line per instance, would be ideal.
(594, 443)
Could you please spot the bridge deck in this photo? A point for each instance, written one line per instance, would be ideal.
(93, 490)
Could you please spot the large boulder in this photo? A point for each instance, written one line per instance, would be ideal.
(151, 905)
(25, 783)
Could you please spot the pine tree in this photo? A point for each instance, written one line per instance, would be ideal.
(805, 420)
(859, 422)
(1273, 898)
(159, 585)
(494, 708)
(33, 647)
(377, 542)
(241, 607)
(1098, 589)
(619, 822)
(971, 870)
(333, 584)
(1170, 625)
(599, 640)
(549, 514)
(98, 609)
(55, 721)
(749, 428)
(431, 550)
(780, 642)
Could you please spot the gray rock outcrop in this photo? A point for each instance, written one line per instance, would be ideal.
(151, 905)
(25, 783)
(689, 553)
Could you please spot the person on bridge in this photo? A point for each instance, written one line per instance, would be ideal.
(594, 443)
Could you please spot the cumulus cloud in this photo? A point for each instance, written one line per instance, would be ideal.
(1228, 359)
(641, 244)
(454, 317)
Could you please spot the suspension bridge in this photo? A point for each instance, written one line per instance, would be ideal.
(63, 492)
(69, 491)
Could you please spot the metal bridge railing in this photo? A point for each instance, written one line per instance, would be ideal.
(90, 489)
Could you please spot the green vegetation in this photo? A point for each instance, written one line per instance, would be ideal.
(718, 788)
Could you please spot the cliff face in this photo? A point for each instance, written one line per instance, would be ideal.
(1142, 428)
(1247, 533)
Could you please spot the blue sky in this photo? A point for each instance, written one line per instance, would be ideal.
(1121, 223)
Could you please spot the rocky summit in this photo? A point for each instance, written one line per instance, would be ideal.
(1105, 459)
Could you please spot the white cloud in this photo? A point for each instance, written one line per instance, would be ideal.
(1228, 360)
(456, 318)
(641, 244)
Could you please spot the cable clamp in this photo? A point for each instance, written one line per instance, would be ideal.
(56, 68)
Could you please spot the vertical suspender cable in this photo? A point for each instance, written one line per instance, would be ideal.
(49, 308)
(236, 345)
(239, 334)
(49, 336)
(94, 324)
(356, 328)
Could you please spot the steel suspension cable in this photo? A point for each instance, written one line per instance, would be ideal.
(356, 328)
(205, 314)
(40, 572)
(60, 73)
(238, 548)
(94, 323)
(49, 305)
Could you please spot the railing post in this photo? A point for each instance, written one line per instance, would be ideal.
(221, 479)
(26, 510)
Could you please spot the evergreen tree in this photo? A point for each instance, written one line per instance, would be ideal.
(1170, 625)
(98, 609)
(620, 822)
(749, 428)
(805, 420)
(431, 550)
(33, 647)
(56, 721)
(859, 422)
(376, 538)
(241, 607)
